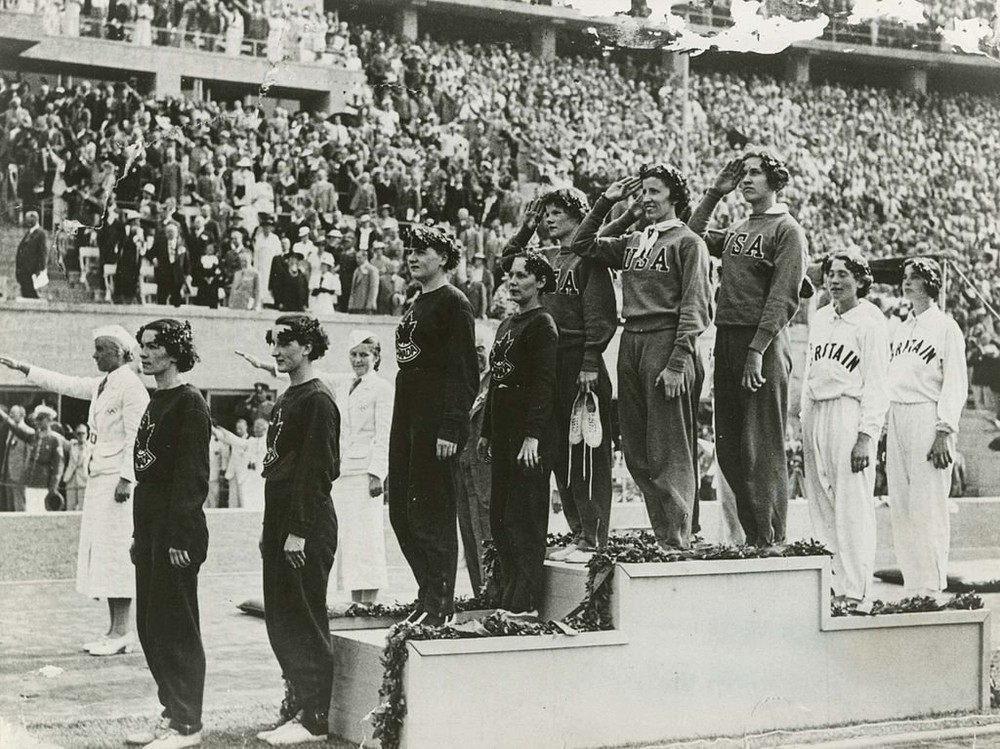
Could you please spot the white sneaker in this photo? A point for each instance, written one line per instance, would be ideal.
(114, 646)
(294, 732)
(174, 740)
(593, 432)
(578, 556)
(141, 738)
(576, 418)
(560, 556)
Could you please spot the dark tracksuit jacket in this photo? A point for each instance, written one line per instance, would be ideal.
(171, 470)
(665, 303)
(764, 259)
(520, 405)
(300, 466)
(583, 307)
(436, 384)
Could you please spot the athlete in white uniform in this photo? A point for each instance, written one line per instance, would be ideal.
(844, 400)
(928, 385)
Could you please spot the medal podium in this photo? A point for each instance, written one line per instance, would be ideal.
(699, 649)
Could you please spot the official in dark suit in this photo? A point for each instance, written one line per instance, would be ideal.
(171, 266)
(32, 256)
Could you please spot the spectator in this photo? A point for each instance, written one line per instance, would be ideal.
(32, 258)
(45, 459)
(77, 463)
(244, 293)
(364, 287)
(13, 463)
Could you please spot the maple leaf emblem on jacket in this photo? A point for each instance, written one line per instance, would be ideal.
(144, 457)
(500, 366)
(406, 349)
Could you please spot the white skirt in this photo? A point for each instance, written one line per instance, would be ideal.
(103, 566)
(359, 563)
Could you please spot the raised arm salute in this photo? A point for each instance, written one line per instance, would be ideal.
(665, 303)
(763, 264)
(583, 307)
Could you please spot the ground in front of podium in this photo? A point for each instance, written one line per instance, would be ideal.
(94, 702)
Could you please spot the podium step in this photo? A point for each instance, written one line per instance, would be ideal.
(699, 649)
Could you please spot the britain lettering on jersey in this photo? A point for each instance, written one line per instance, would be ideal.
(638, 259)
(406, 349)
(837, 352)
(917, 346)
(736, 244)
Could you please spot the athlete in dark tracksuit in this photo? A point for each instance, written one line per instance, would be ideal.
(583, 307)
(665, 303)
(300, 466)
(522, 372)
(171, 469)
(435, 387)
(763, 266)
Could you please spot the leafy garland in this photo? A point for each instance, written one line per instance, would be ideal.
(403, 610)
(913, 605)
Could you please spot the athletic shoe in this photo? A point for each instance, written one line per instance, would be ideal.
(593, 433)
(576, 419)
(293, 732)
(174, 740)
(114, 646)
(560, 556)
(578, 556)
(141, 738)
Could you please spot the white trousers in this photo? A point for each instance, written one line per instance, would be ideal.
(841, 502)
(918, 498)
(34, 501)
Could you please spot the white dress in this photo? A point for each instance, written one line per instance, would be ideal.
(104, 568)
(234, 34)
(143, 34)
(365, 417)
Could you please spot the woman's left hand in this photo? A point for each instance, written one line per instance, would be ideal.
(528, 455)
(179, 558)
(940, 454)
(374, 485)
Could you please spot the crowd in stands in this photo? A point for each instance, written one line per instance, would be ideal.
(447, 132)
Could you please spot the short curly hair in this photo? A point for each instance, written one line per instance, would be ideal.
(856, 264)
(537, 265)
(420, 237)
(570, 199)
(302, 328)
(176, 338)
(929, 271)
(775, 170)
(669, 175)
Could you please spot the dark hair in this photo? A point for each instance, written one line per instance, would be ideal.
(570, 199)
(376, 347)
(680, 194)
(856, 264)
(928, 270)
(176, 338)
(306, 330)
(420, 237)
(539, 266)
(775, 171)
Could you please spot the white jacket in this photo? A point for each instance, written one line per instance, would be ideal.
(847, 357)
(114, 415)
(365, 418)
(927, 364)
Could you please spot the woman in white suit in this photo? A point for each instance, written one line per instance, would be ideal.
(117, 401)
(365, 403)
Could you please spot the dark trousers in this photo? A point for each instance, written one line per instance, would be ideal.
(660, 436)
(519, 505)
(750, 433)
(586, 492)
(27, 284)
(422, 491)
(297, 623)
(167, 614)
(472, 500)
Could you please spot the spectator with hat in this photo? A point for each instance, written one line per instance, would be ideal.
(304, 246)
(266, 247)
(45, 459)
(327, 292)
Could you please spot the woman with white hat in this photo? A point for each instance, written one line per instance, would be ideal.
(117, 401)
(45, 459)
(326, 293)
